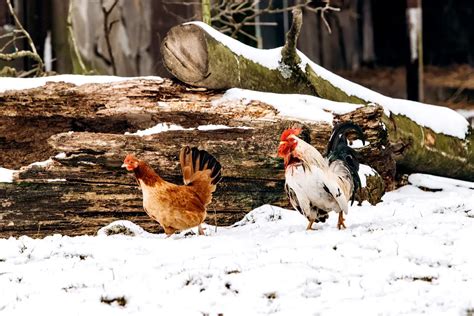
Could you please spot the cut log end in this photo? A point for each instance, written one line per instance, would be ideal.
(185, 53)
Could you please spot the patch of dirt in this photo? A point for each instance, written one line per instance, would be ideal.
(120, 301)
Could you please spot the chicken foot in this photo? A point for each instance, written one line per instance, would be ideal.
(340, 222)
(310, 224)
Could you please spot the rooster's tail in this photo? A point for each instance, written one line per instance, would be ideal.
(193, 160)
(338, 149)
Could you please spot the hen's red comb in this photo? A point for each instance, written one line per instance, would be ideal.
(130, 158)
(288, 132)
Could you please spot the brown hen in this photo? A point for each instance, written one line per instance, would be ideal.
(178, 207)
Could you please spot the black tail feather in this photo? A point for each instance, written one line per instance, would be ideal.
(339, 135)
(207, 161)
(338, 149)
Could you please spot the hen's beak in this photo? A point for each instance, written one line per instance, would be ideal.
(127, 166)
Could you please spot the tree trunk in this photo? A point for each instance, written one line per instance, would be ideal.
(84, 187)
(197, 58)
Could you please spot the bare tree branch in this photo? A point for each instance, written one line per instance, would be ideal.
(22, 30)
(322, 11)
(11, 41)
(230, 16)
(20, 54)
(107, 30)
(16, 34)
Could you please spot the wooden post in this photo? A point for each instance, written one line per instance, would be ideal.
(414, 67)
(368, 50)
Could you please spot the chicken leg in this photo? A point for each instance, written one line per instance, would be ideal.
(340, 222)
(169, 231)
(310, 224)
(200, 230)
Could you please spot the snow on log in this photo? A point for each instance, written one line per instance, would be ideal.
(82, 134)
(424, 138)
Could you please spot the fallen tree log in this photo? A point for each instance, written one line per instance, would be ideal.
(82, 186)
(424, 138)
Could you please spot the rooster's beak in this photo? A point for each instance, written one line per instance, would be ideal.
(123, 165)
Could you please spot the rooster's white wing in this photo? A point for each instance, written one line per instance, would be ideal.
(331, 186)
(310, 187)
(320, 178)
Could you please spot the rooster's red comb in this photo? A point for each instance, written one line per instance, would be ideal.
(288, 132)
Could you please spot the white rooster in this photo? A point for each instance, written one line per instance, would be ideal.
(315, 184)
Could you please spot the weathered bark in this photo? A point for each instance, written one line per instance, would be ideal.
(85, 188)
(419, 149)
(197, 58)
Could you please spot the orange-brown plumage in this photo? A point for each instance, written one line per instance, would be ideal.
(178, 207)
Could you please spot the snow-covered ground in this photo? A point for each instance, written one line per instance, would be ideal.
(411, 254)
